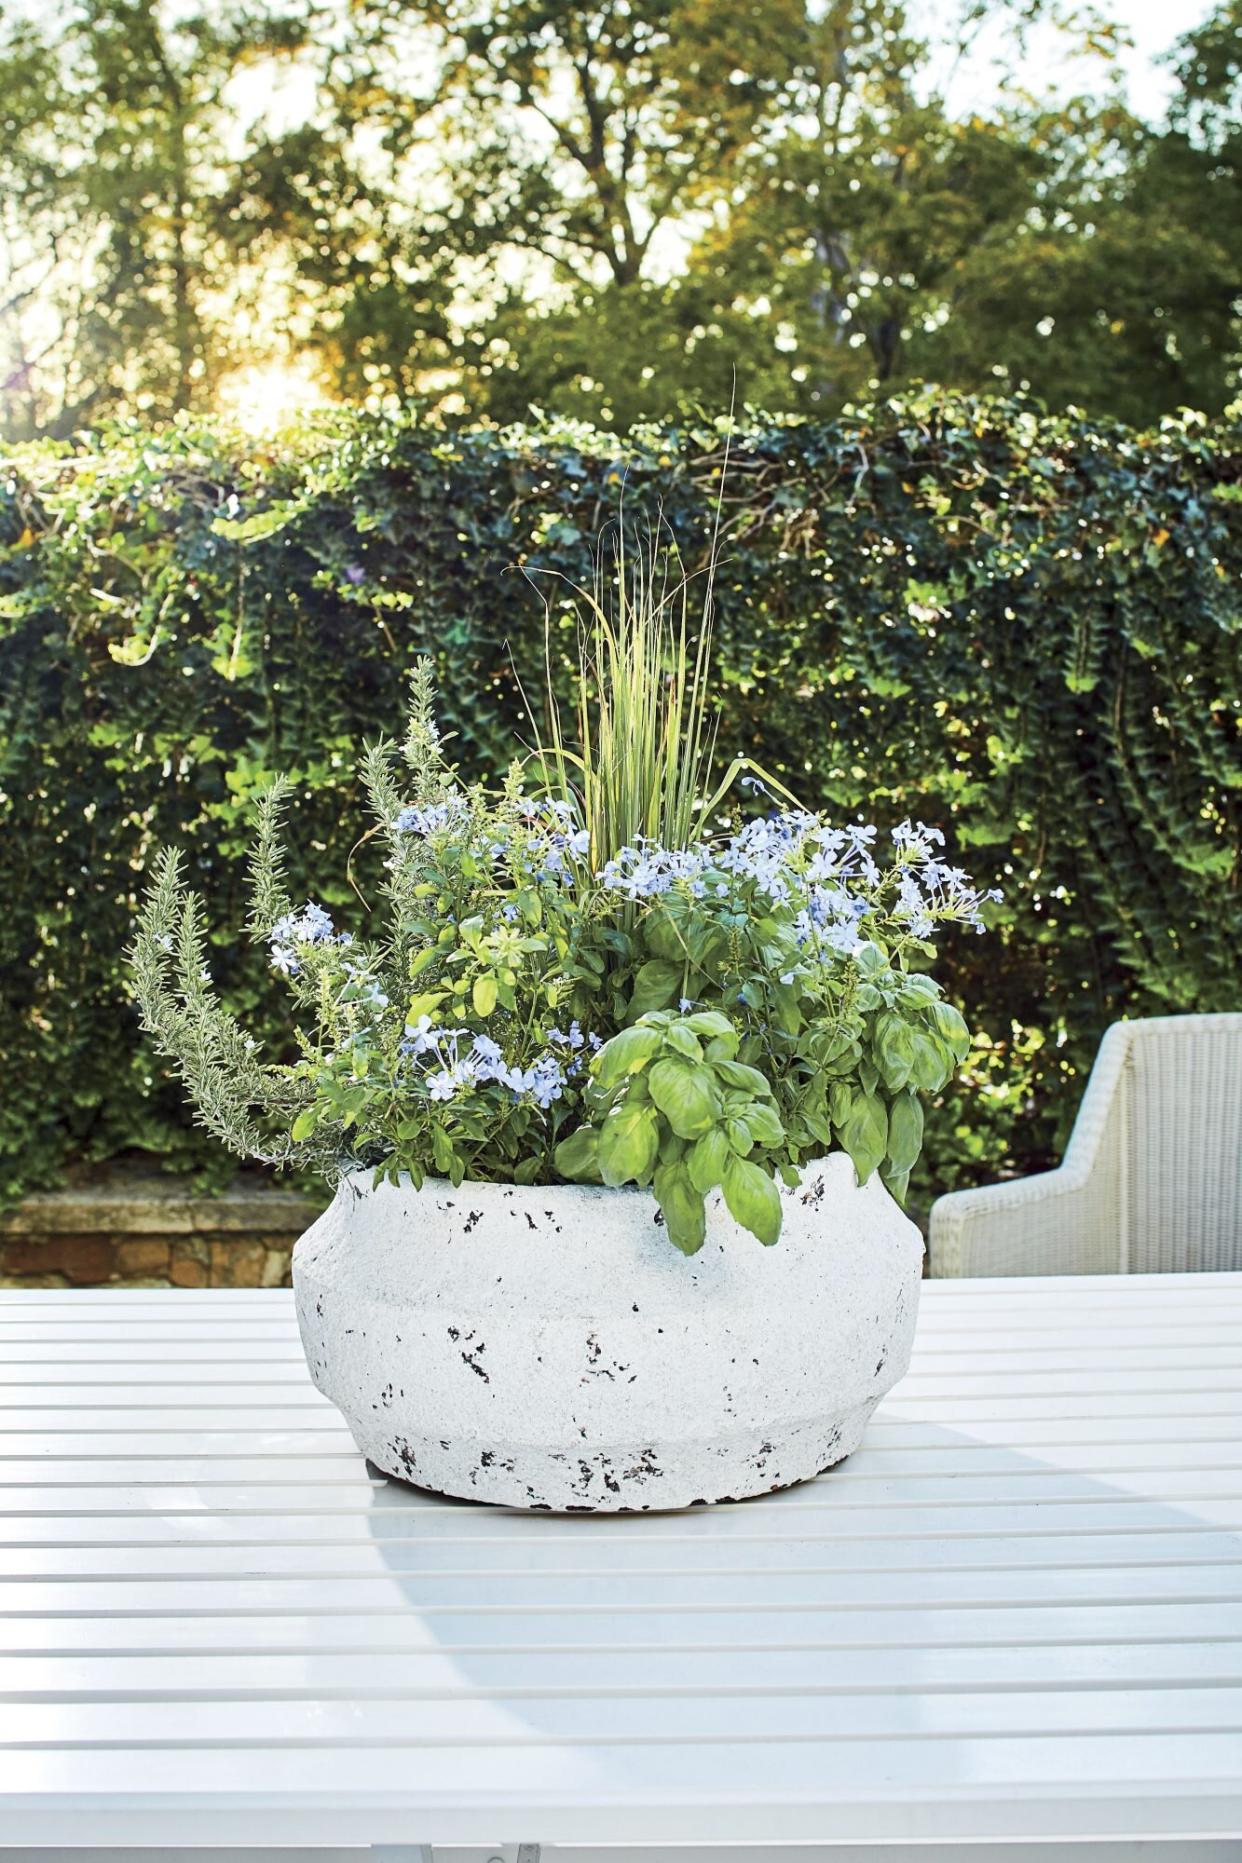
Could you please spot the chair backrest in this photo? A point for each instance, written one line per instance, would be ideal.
(1181, 1132)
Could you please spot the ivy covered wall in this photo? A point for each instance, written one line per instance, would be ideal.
(1024, 628)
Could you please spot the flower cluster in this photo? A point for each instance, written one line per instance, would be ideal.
(645, 869)
(828, 875)
(449, 1071)
(538, 836)
(311, 926)
(431, 819)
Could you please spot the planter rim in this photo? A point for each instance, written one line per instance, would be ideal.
(360, 1180)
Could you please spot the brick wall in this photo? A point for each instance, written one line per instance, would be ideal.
(153, 1233)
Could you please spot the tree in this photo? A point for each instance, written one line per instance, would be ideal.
(859, 209)
(155, 238)
(599, 207)
(118, 128)
(857, 234)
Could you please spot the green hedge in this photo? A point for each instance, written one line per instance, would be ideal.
(1024, 628)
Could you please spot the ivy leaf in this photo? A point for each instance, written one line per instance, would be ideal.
(752, 1198)
(262, 523)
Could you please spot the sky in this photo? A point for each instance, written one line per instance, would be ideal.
(1152, 27)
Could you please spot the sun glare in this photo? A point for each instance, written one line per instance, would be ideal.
(267, 396)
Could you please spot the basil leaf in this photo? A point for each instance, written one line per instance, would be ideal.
(865, 1134)
(656, 984)
(629, 1140)
(752, 1198)
(682, 1205)
(707, 1159)
(763, 1123)
(625, 1054)
(684, 1041)
(905, 1132)
(686, 1095)
(737, 1074)
(577, 1158)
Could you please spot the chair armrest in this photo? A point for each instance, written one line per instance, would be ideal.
(1061, 1222)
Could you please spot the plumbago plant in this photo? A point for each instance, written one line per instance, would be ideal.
(596, 976)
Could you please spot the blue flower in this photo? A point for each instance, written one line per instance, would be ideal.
(644, 870)
(310, 926)
(544, 1081)
(430, 819)
(487, 1051)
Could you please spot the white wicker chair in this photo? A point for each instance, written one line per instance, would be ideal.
(1152, 1177)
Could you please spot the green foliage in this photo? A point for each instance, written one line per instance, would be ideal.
(641, 758)
(440, 1045)
(1022, 627)
(604, 211)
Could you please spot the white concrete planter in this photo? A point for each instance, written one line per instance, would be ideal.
(550, 1348)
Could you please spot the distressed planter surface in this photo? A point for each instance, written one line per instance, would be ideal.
(549, 1347)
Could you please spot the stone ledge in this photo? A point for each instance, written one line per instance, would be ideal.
(153, 1232)
(135, 1212)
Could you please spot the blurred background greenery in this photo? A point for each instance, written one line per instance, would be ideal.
(317, 323)
(604, 210)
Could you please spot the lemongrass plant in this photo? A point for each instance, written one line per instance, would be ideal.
(642, 764)
(645, 737)
(585, 972)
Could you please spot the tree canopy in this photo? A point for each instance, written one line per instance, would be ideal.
(601, 208)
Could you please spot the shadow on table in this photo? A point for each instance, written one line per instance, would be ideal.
(944, 1588)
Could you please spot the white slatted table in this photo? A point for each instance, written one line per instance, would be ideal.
(1016, 1613)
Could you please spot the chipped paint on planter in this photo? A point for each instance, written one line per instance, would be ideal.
(548, 1347)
